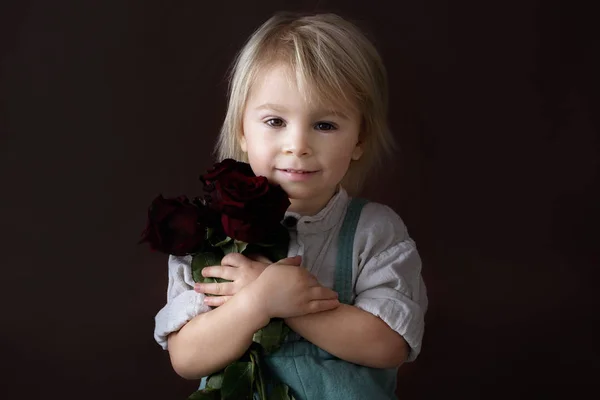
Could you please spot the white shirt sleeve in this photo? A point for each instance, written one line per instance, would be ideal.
(388, 275)
(183, 303)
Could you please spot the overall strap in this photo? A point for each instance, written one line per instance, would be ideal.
(343, 265)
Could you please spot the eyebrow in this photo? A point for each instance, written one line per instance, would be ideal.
(271, 106)
(283, 109)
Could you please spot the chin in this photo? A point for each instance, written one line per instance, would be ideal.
(295, 196)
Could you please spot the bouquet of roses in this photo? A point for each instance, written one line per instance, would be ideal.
(241, 213)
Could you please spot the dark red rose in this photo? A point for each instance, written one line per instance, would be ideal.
(257, 219)
(176, 225)
(226, 167)
(251, 207)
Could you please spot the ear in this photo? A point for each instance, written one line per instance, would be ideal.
(243, 144)
(358, 151)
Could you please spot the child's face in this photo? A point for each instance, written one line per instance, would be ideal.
(306, 148)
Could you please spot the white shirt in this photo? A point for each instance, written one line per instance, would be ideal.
(386, 272)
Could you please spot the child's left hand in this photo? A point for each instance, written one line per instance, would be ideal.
(235, 267)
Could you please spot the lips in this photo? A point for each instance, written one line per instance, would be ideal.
(296, 171)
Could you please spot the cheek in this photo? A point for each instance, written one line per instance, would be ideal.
(341, 159)
(342, 152)
(259, 156)
(258, 148)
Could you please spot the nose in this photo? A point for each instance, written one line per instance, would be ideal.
(297, 142)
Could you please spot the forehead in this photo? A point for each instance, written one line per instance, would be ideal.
(282, 84)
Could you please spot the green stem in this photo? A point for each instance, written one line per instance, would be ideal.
(260, 379)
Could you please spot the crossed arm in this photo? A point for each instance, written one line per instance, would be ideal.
(258, 293)
(353, 335)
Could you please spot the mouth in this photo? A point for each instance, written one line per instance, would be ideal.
(296, 171)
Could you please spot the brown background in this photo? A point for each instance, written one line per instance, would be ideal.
(495, 106)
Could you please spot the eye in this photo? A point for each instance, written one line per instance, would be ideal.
(274, 122)
(325, 126)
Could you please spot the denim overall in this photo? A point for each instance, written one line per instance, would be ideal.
(314, 374)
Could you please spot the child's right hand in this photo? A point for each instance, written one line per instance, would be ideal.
(286, 290)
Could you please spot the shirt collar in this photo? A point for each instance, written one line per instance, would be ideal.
(325, 219)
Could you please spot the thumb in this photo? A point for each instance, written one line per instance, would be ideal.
(296, 260)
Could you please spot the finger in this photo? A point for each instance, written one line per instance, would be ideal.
(312, 281)
(218, 289)
(322, 293)
(216, 301)
(234, 260)
(260, 258)
(297, 260)
(229, 273)
(316, 306)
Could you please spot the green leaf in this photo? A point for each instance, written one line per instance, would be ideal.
(271, 336)
(259, 386)
(229, 247)
(223, 242)
(234, 246)
(206, 394)
(201, 260)
(215, 381)
(241, 246)
(237, 381)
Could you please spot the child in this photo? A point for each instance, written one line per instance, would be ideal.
(307, 109)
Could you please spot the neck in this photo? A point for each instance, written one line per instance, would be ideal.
(312, 206)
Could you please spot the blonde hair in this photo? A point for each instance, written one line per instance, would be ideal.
(333, 62)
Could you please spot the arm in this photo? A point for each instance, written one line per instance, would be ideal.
(191, 332)
(183, 303)
(210, 341)
(214, 339)
(384, 326)
(353, 335)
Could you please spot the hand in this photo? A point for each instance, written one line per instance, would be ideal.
(235, 267)
(286, 290)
